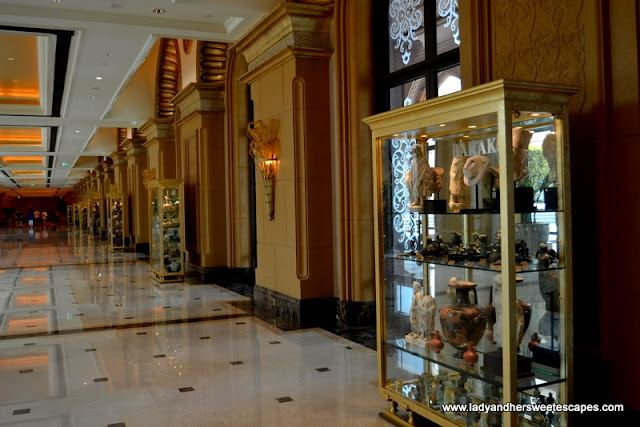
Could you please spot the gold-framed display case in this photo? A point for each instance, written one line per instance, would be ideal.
(167, 229)
(70, 215)
(115, 222)
(95, 219)
(85, 211)
(473, 256)
(76, 216)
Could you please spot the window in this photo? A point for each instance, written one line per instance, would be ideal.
(417, 56)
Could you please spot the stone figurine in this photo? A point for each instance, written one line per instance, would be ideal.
(474, 169)
(460, 193)
(422, 317)
(550, 154)
(520, 139)
(421, 180)
(496, 292)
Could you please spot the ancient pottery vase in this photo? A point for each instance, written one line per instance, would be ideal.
(462, 322)
(436, 343)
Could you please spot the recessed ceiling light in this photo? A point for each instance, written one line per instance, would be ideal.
(98, 78)
(10, 58)
(93, 97)
(109, 54)
(15, 81)
(77, 131)
(442, 125)
(56, 1)
(159, 11)
(472, 126)
(65, 164)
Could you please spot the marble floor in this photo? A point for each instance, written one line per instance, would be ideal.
(89, 339)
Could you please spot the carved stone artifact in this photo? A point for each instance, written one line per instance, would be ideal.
(520, 139)
(460, 193)
(422, 180)
(550, 154)
(474, 169)
(422, 317)
(520, 306)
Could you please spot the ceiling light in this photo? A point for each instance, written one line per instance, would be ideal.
(472, 126)
(534, 114)
(159, 11)
(114, 5)
(16, 81)
(10, 58)
(442, 125)
(65, 164)
(77, 131)
(98, 78)
(56, 1)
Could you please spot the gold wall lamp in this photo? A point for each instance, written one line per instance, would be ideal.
(262, 148)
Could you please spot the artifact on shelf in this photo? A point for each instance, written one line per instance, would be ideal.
(522, 310)
(474, 169)
(422, 180)
(435, 343)
(462, 322)
(545, 255)
(470, 356)
(535, 340)
(422, 317)
(550, 154)
(520, 139)
(460, 197)
(549, 285)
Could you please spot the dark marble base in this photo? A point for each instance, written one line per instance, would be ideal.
(356, 321)
(222, 275)
(317, 312)
(142, 248)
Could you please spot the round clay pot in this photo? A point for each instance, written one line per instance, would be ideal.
(470, 356)
(436, 343)
(462, 322)
(535, 340)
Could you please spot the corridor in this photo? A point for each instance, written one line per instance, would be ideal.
(89, 339)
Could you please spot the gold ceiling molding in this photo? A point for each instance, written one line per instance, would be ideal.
(314, 2)
(168, 77)
(148, 175)
(138, 134)
(212, 62)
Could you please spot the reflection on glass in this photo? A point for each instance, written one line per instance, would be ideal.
(449, 81)
(406, 33)
(408, 93)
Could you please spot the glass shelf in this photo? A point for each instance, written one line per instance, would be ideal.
(530, 267)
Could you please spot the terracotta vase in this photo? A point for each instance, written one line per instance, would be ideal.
(535, 340)
(462, 322)
(436, 343)
(470, 356)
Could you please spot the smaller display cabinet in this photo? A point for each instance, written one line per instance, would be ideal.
(95, 220)
(85, 209)
(115, 222)
(76, 216)
(70, 215)
(167, 229)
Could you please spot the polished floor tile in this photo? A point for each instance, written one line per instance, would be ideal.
(89, 339)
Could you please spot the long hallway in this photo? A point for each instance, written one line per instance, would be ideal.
(89, 339)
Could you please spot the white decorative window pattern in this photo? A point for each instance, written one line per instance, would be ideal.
(404, 223)
(449, 9)
(405, 17)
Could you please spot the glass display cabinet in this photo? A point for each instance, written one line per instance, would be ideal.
(473, 256)
(167, 229)
(70, 215)
(95, 220)
(85, 211)
(76, 216)
(115, 222)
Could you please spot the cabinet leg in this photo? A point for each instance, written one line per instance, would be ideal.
(412, 419)
(394, 407)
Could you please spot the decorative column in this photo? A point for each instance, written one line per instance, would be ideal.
(120, 166)
(288, 56)
(161, 146)
(200, 135)
(136, 159)
(107, 179)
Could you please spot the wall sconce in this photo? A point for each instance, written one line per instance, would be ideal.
(263, 150)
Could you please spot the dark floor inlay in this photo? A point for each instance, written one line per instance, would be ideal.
(117, 425)
(284, 399)
(30, 343)
(80, 314)
(111, 295)
(22, 411)
(130, 317)
(104, 287)
(217, 309)
(33, 312)
(197, 298)
(31, 326)
(26, 371)
(274, 342)
(152, 296)
(91, 349)
(322, 369)
(204, 338)
(237, 362)
(158, 356)
(119, 305)
(185, 389)
(347, 347)
(167, 306)
(100, 380)
(240, 323)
